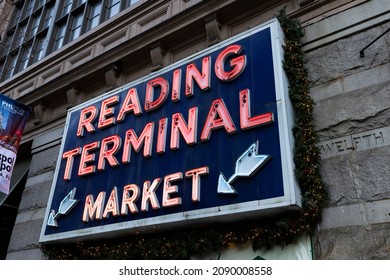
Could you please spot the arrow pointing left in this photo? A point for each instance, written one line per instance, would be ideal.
(66, 205)
(246, 165)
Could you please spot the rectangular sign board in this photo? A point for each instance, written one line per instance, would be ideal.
(206, 139)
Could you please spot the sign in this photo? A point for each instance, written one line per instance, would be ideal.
(207, 139)
(13, 117)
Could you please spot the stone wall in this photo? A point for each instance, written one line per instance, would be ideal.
(352, 117)
(24, 243)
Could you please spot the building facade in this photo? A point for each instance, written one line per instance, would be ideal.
(57, 54)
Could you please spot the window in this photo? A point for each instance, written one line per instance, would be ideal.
(29, 7)
(21, 33)
(94, 15)
(113, 7)
(34, 25)
(60, 36)
(131, 2)
(48, 16)
(76, 26)
(16, 17)
(6, 45)
(10, 67)
(25, 56)
(40, 46)
(79, 2)
(40, 27)
(66, 7)
(40, 3)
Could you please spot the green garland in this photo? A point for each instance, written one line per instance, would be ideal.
(284, 230)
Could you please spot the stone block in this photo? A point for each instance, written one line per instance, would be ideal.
(35, 196)
(342, 58)
(358, 176)
(353, 112)
(44, 161)
(25, 236)
(353, 243)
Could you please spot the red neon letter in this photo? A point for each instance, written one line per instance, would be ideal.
(217, 117)
(162, 135)
(176, 79)
(167, 201)
(149, 194)
(130, 104)
(108, 153)
(195, 174)
(87, 116)
(149, 94)
(202, 79)
(128, 202)
(107, 111)
(246, 121)
(238, 64)
(145, 139)
(69, 155)
(188, 131)
(112, 206)
(86, 158)
(93, 209)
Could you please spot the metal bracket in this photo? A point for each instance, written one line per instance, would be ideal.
(376, 39)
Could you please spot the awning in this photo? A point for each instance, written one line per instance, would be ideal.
(20, 169)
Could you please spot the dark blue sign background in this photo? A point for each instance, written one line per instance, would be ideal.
(219, 153)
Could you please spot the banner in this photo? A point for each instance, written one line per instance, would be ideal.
(13, 117)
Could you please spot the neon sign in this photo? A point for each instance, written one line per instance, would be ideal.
(208, 138)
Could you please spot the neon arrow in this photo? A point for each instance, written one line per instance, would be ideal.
(66, 205)
(51, 221)
(246, 165)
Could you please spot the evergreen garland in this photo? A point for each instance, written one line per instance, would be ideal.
(186, 244)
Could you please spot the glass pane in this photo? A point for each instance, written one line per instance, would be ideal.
(1, 69)
(16, 16)
(60, 35)
(11, 66)
(113, 7)
(25, 55)
(20, 35)
(76, 26)
(39, 48)
(29, 8)
(6, 45)
(49, 16)
(94, 15)
(67, 7)
(34, 25)
(40, 3)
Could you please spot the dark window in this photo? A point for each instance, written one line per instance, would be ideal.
(40, 46)
(36, 22)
